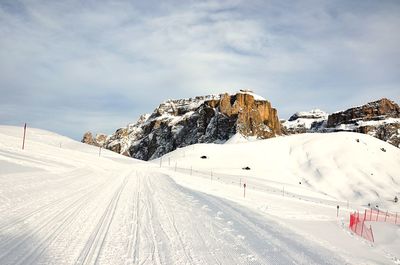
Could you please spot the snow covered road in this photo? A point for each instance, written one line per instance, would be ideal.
(135, 217)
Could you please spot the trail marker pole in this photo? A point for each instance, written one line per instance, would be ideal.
(362, 228)
(355, 229)
(395, 220)
(99, 151)
(169, 161)
(160, 161)
(386, 215)
(244, 190)
(337, 210)
(372, 234)
(23, 139)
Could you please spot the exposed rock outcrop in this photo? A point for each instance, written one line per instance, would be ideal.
(377, 110)
(208, 119)
(380, 119)
(305, 121)
(99, 140)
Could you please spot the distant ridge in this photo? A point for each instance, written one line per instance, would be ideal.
(216, 118)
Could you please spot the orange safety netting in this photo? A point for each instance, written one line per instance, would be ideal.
(381, 216)
(357, 225)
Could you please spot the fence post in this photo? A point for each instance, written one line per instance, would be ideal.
(356, 221)
(362, 228)
(372, 234)
(386, 214)
(23, 139)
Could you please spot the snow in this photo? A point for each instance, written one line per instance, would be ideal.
(305, 119)
(359, 123)
(63, 203)
(249, 92)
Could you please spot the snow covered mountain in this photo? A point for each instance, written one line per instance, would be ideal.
(305, 121)
(205, 119)
(380, 119)
(216, 118)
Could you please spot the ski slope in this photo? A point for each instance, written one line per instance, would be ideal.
(63, 202)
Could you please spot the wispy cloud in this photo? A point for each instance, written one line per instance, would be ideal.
(72, 66)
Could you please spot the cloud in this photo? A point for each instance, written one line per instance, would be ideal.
(78, 66)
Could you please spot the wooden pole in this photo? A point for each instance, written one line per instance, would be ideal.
(372, 234)
(23, 140)
(362, 228)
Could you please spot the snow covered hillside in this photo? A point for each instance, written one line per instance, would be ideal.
(343, 165)
(64, 202)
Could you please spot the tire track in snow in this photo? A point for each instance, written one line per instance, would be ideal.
(50, 221)
(92, 250)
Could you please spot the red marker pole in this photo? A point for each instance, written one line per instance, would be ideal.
(23, 140)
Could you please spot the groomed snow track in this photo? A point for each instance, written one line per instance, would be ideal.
(138, 217)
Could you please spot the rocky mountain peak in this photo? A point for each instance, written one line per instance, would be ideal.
(203, 119)
(312, 114)
(98, 140)
(376, 110)
(380, 119)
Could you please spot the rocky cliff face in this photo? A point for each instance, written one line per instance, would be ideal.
(377, 110)
(98, 140)
(208, 119)
(380, 119)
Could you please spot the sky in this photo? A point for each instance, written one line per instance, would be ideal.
(76, 66)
